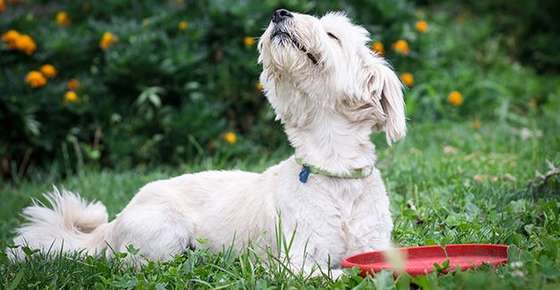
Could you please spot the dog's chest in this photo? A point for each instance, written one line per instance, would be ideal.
(327, 194)
(324, 206)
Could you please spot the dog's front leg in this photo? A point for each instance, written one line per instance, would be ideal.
(309, 258)
(371, 224)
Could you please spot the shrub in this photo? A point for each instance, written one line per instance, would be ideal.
(140, 82)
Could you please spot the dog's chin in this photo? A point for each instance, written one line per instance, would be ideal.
(280, 36)
(283, 58)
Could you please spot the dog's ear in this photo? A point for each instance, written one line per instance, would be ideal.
(382, 91)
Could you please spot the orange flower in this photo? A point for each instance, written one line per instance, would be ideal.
(62, 18)
(35, 79)
(249, 41)
(408, 79)
(2, 5)
(26, 44)
(455, 98)
(401, 46)
(10, 38)
(378, 47)
(48, 70)
(422, 26)
(107, 40)
(259, 87)
(70, 97)
(230, 137)
(73, 84)
(183, 25)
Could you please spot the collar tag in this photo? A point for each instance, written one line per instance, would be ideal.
(304, 174)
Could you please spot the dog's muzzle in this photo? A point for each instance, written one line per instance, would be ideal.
(279, 18)
(280, 32)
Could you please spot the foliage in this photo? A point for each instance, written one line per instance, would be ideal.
(531, 28)
(448, 183)
(145, 82)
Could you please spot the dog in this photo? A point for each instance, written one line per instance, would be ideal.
(330, 92)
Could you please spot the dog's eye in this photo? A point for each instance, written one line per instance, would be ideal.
(332, 36)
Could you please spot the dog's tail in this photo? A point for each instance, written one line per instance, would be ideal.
(69, 224)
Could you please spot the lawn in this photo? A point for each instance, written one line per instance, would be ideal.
(449, 183)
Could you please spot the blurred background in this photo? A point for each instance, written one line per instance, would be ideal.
(120, 84)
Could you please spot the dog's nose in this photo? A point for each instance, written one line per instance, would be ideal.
(281, 15)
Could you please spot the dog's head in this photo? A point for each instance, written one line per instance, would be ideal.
(316, 68)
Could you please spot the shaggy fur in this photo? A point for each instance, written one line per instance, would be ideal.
(329, 91)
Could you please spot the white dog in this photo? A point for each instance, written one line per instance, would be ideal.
(330, 91)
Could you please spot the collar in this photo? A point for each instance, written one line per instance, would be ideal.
(353, 174)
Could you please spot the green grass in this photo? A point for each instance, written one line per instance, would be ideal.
(448, 182)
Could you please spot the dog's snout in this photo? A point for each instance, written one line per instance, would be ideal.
(281, 15)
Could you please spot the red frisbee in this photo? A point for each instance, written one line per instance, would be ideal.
(421, 260)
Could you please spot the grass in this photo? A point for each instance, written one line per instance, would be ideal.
(448, 182)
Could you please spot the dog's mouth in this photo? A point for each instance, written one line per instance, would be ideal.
(285, 36)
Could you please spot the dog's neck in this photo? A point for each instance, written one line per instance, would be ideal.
(333, 144)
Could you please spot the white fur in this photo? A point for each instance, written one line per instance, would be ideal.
(328, 109)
